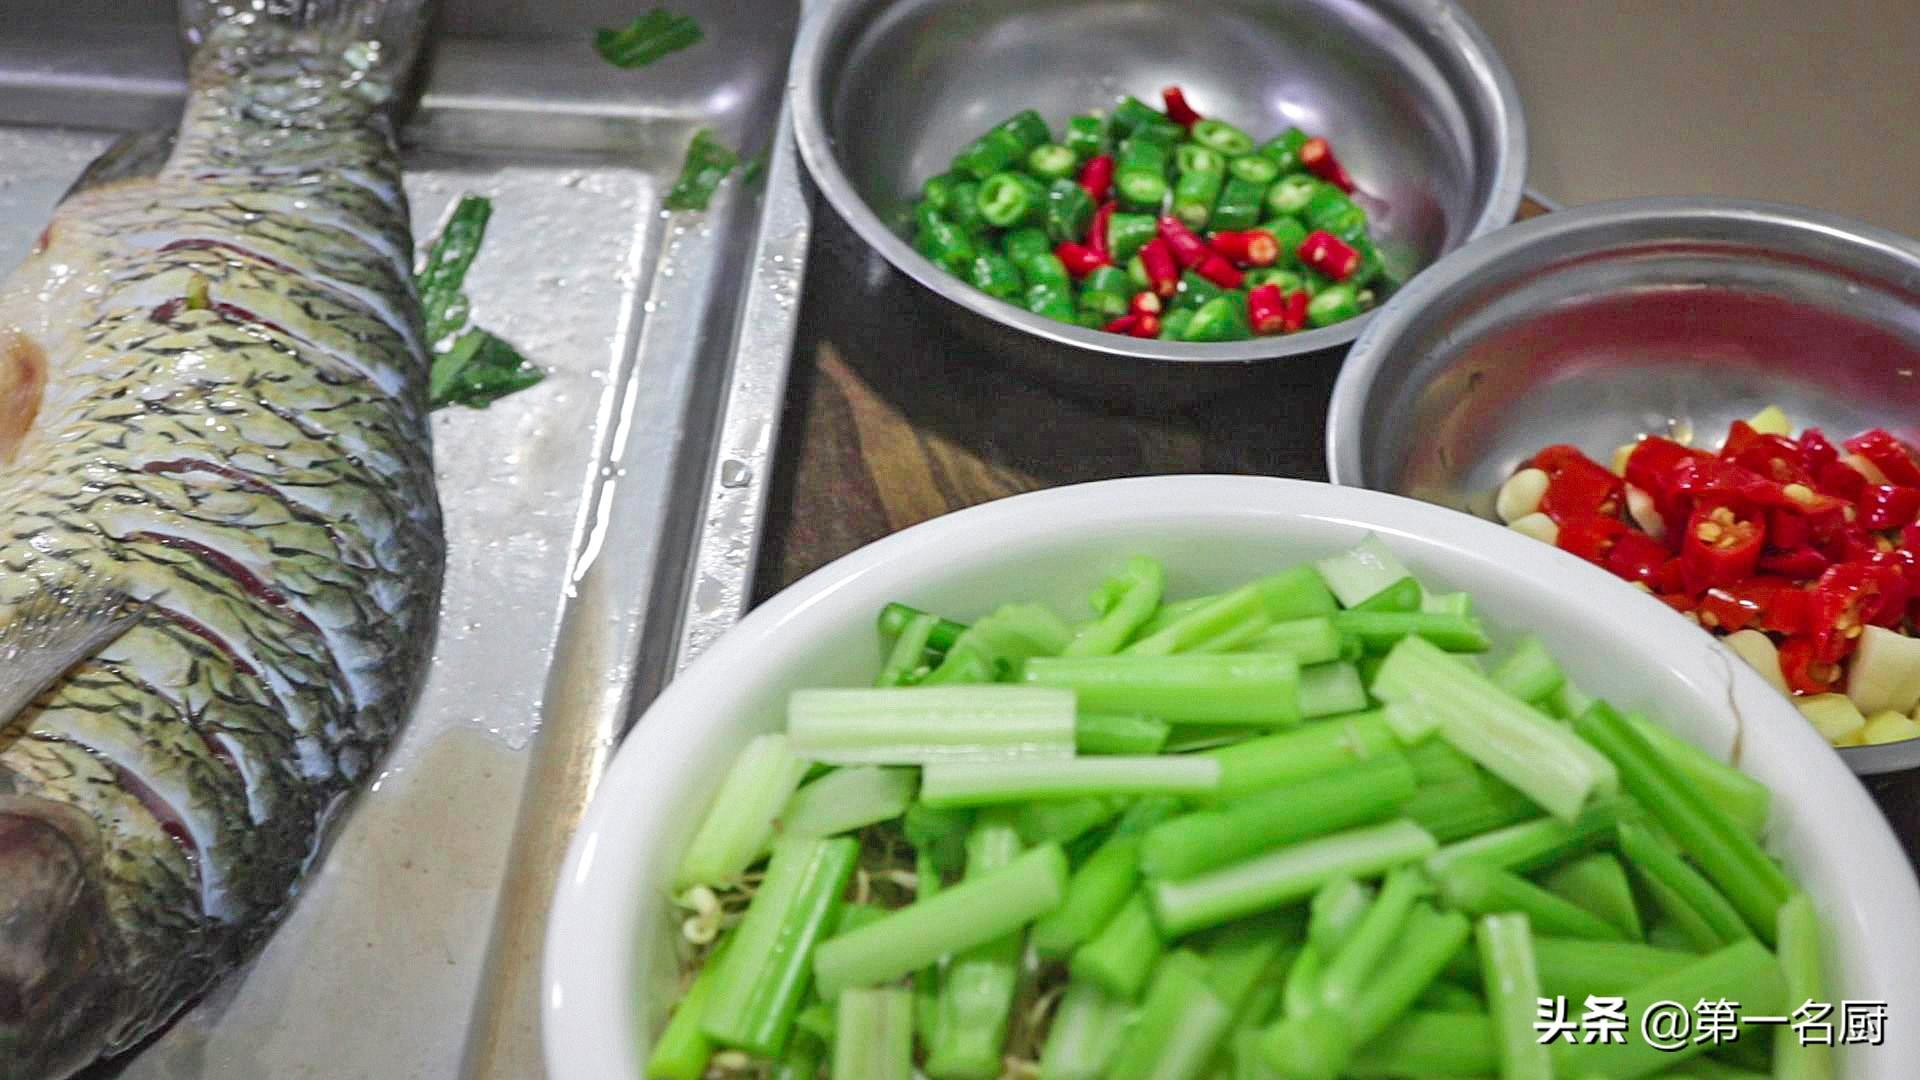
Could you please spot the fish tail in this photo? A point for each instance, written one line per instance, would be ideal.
(58, 981)
(378, 38)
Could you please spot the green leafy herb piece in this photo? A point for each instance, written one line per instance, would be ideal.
(755, 171)
(476, 368)
(708, 162)
(647, 38)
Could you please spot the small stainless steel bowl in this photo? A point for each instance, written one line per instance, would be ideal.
(1596, 325)
(1411, 94)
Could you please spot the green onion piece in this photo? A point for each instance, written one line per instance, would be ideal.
(1653, 860)
(1368, 791)
(873, 1035)
(976, 996)
(1729, 857)
(741, 822)
(1799, 953)
(959, 917)
(1513, 741)
(1331, 689)
(1357, 574)
(646, 39)
(1095, 893)
(1253, 689)
(1402, 595)
(1575, 968)
(1478, 889)
(848, 799)
(975, 783)
(1738, 795)
(1599, 884)
(1431, 1045)
(1179, 1026)
(1084, 1034)
(1134, 594)
(1529, 673)
(1120, 957)
(1744, 972)
(708, 162)
(477, 370)
(1315, 749)
(1311, 640)
(1380, 630)
(1118, 733)
(1062, 821)
(1223, 615)
(766, 970)
(1286, 875)
(1532, 844)
(917, 726)
(1512, 983)
(683, 1049)
(1347, 969)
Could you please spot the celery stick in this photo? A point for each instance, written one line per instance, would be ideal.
(1680, 924)
(1119, 733)
(966, 783)
(1179, 1025)
(766, 970)
(873, 1037)
(926, 981)
(1365, 947)
(1599, 884)
(1253, 689)
(1444, 996)
(1357, 574)
(1740, 796)
(1188, 738)
(1289, 874)
(940, 834)
(804, 1055)
(1301, 994)
(993, 648)
(848, 799)
(1653, 860)
(1437, 762)
(1512, 982)
(1412, 723)
(1191, 844)
(1309, 641)
(1274, 760)
(908, 652)
(916, 726)
(976, 994)
(1478, 889)
(1799, 937)
(1380, 630)
(1136, 590)
(1574, 968)
(1402, 595)
(817, 1020)
(1331, 689)
(1062, 821)
(1120, 957)
(1235, 638)
(1515, 742)
(1725, 852)
(741, 821)
(1219, 616)
(973, 912)
(1335, 910)
(1744, 972)
(1296, 593)
(683, 1049)
(1453, 603)
(894, 619)
(1532, 844)
(1243, 953)
(1455, 809)
(1084, 1034)
(1095, 893)
(1430, 1045)
(1529, 673)
(1568, 702)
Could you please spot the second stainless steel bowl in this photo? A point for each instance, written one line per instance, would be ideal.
(1654, 316)
(1409, 91)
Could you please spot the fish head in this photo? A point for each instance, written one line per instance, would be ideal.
(59, 983)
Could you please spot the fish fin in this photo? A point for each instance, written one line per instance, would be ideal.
(52, 633)
(380, 37)
(60, 983)
(132, 156)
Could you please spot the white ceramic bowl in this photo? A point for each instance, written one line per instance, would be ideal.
(609, 960)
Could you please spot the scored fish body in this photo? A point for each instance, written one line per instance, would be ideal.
(212, 404)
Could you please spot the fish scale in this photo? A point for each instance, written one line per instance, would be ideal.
(228, 422)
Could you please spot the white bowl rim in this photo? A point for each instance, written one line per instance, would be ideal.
(588, 979)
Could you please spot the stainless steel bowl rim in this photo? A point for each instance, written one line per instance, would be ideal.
(1778, 223)
(828, 20)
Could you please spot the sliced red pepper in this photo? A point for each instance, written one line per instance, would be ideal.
(1841, 481)
(1123, 325)
(1798, 563)
(1250, 247)
(1895, 572)
(1296, 309)
(1889, 454)
(1097, 238)
(1097, 177)
(1329, 254)
(1841, 604)
(1720, 546)
(1316, 156)
(1638, 557)
(1267, 310)
(1815, 450)
(1725, 610)
(1577, 486)
(1161, 268)
(1591, 537)
(1888, 506)
(1079, 259)
(1650, 467)
(1178, 110)
(1910, 538)
(1773, 458)
(1188, 249)
(1218, 270)
(1144, 303)
(1803, 669)
(1146, 326)
(1740, 435)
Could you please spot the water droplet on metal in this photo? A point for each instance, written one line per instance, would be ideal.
(735, 473)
